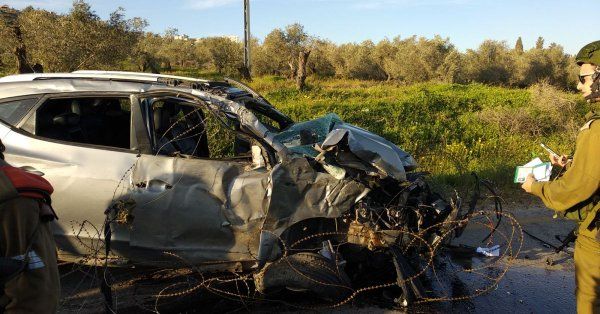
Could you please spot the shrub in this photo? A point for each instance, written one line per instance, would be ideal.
(451, 129)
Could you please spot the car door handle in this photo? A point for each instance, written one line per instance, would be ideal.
(30, 169)
(156, 185)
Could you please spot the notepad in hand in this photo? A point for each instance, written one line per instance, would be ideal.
(540, 170)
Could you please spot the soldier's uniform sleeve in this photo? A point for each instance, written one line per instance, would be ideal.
(581, 180)
(37, 289)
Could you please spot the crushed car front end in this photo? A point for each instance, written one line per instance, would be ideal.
(339, 200)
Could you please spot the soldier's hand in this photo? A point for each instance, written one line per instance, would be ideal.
(527, 184)
(558, 160)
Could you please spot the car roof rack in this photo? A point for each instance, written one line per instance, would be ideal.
(171, 80)
(137, 75)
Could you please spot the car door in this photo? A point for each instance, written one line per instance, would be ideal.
(86, 173)
(200, 208)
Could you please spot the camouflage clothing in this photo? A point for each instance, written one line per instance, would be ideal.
(25, 235)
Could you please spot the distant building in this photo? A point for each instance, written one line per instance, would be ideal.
(233, 38)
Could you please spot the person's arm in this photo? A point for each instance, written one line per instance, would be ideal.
(582, 178)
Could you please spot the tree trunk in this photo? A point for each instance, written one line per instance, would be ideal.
(245, 73)
(10, 17)
(301, 77)
(293, 70)
(22, 65)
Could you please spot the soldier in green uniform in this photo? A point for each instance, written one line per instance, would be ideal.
(576, 194)
(29, 279)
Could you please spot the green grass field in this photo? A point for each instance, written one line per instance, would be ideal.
(451, 130)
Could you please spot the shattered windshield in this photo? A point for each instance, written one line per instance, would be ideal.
(301, 137)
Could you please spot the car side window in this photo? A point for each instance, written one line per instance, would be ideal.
(178, 128)
(87, 120)
(181, 128)
(14, 110)
(223, 142)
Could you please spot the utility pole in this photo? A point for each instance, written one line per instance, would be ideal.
(247, 38)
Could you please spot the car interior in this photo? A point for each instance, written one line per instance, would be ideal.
(186, 130)
(179, 129)
(90, 120)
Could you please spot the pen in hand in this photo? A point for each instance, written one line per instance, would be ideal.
(555, 159)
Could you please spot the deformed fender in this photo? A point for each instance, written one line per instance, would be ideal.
(300, 192)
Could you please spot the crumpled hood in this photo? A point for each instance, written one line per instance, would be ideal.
(383, 155)
(368, 151)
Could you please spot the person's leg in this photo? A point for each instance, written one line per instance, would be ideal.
(587, 275)
(37, 288)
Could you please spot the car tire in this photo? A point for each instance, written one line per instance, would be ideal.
(305, 272)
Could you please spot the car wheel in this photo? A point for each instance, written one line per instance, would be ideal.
(305, 272)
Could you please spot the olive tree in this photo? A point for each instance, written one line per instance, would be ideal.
(79, 39)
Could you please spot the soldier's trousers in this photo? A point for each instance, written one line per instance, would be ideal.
(37, 289)
(587, 275)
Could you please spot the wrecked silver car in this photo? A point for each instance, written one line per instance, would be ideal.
(159, 166)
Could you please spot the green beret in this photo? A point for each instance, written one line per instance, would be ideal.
(590, 53)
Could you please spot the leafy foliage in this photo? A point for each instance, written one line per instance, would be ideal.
(80, 39)
(77, 40)
(451, 129)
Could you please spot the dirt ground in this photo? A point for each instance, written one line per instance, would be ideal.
(537, 280)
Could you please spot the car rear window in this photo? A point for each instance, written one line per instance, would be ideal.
(102, 121)
(13, 111)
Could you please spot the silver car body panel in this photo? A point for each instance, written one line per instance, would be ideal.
(200, 209)
(73, 85)
(383, 155)
(84, 179)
